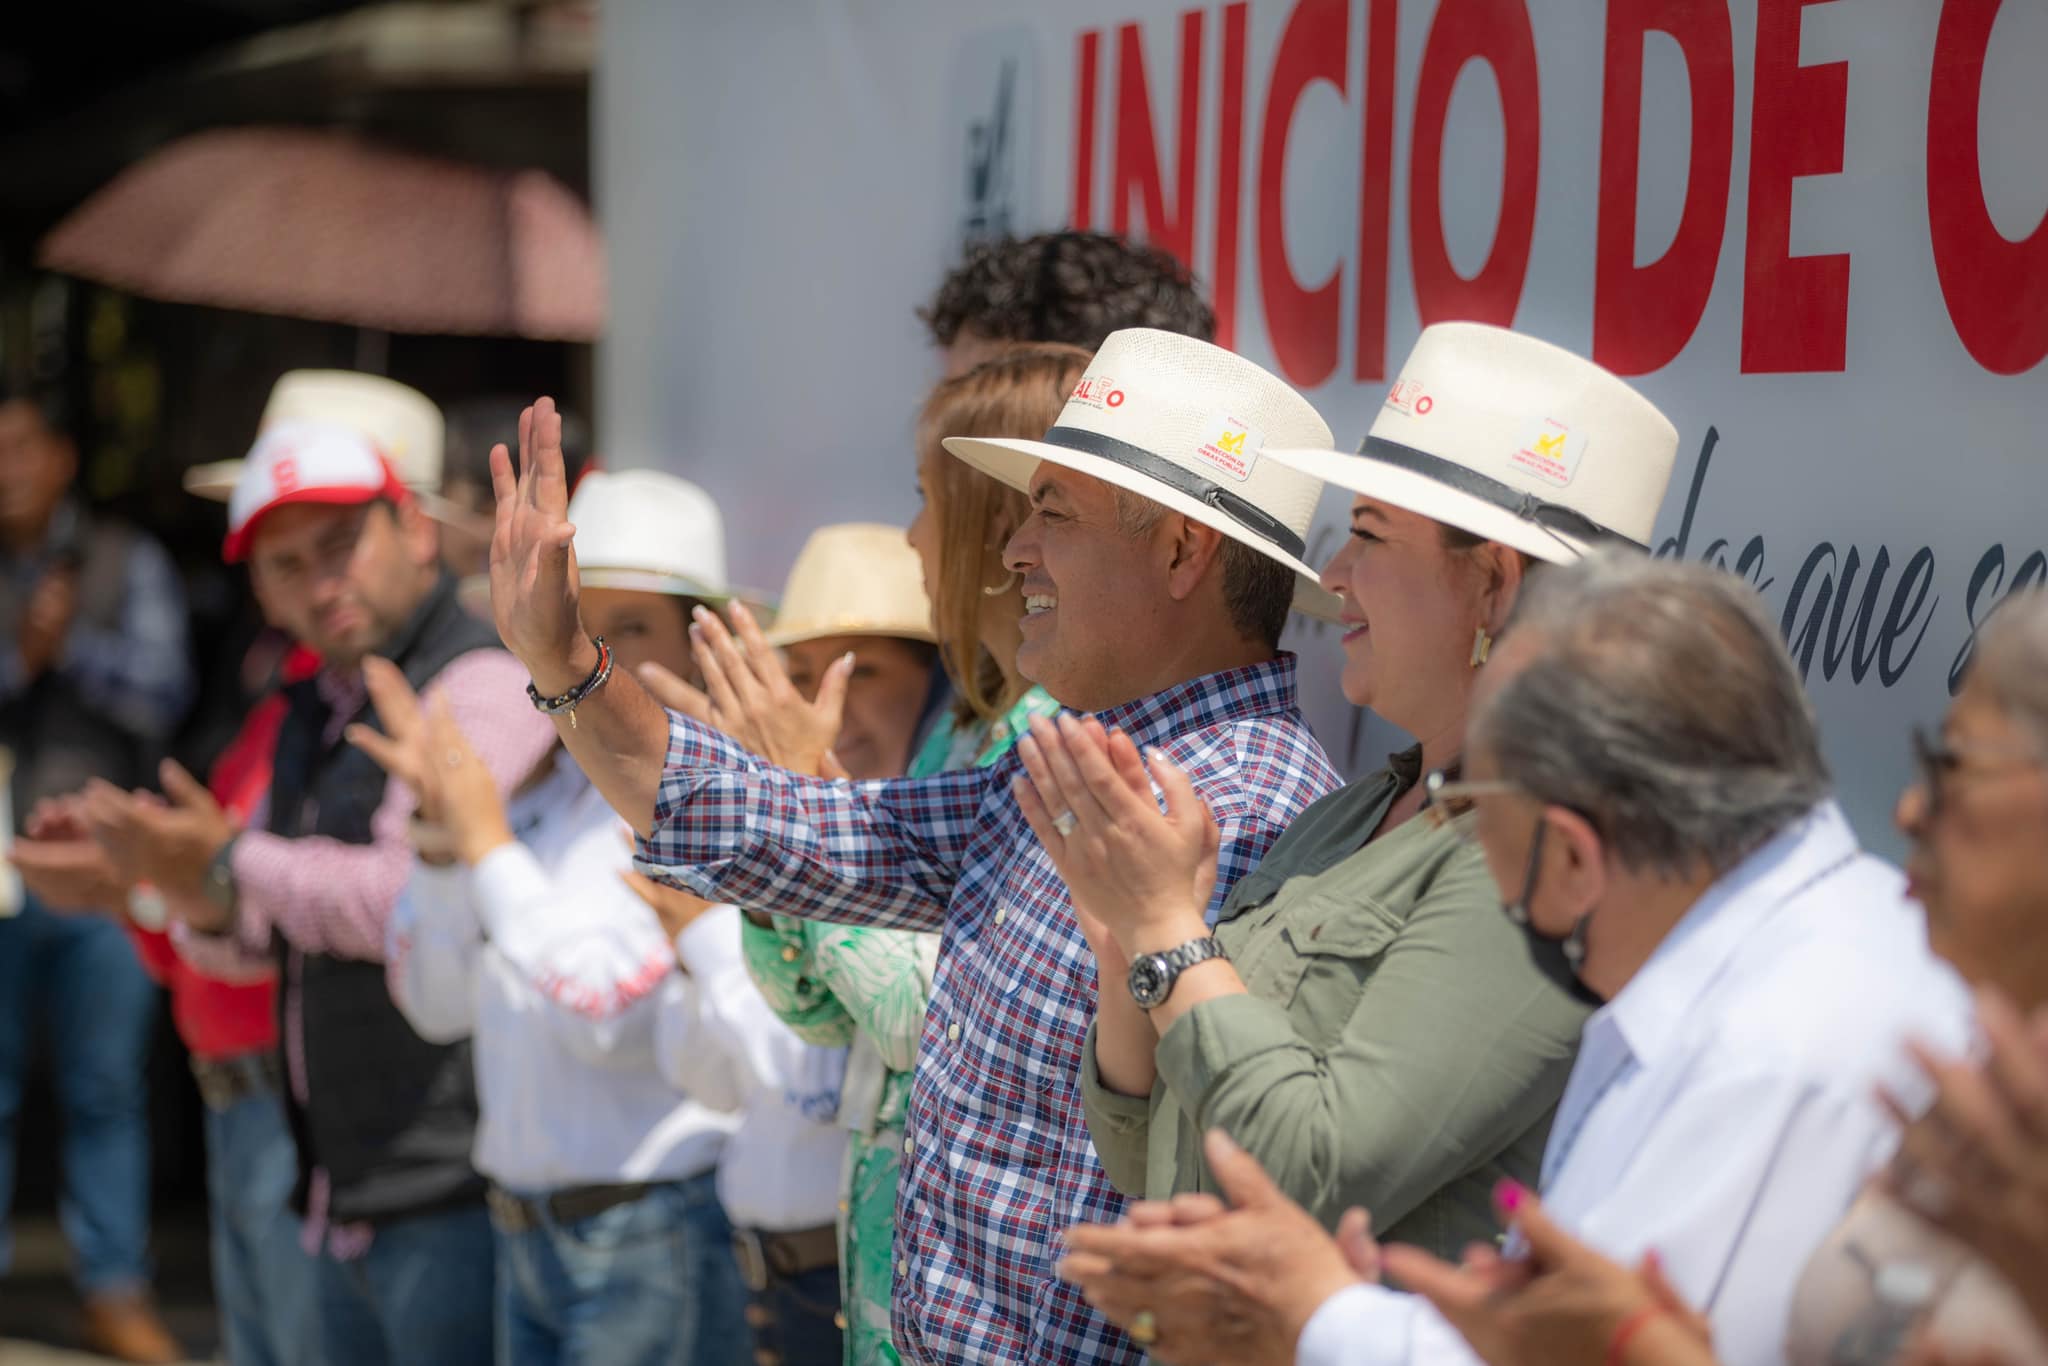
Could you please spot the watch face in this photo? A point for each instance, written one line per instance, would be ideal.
(1149, 980)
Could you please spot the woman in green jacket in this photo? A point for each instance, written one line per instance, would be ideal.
(1364, 1020)
(839, 984)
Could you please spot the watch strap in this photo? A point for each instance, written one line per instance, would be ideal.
(1172, 963)
(220, 876)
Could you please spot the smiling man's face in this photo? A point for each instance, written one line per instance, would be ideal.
(1093, 592)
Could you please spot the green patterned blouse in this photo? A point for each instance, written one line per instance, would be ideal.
(865, 988)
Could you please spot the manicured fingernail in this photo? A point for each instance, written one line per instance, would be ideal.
(847, 659)
(1509, 1195)
(701, 613)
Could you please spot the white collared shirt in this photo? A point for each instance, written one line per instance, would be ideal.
(555, 967)
(1722, 1107)
(722, 1042)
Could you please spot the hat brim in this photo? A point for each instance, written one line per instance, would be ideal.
(1013, 462)
(825, 630)
(215, 481)
(652, 581)
(1420, 494)
(474, 591)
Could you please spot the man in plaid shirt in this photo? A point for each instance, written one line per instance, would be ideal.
(1147, 602)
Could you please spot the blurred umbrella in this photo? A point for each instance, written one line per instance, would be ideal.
(324, 225)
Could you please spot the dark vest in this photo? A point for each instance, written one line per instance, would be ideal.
(392, 1116)
(59, 740)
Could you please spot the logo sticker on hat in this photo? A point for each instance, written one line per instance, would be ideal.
(1407, 398)
(1097, 391)
(1233, 448)
(1550, 450)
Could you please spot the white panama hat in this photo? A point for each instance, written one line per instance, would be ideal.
(1511, 439)
(650, 532)
(854, 579)
(400, 421)
(1186, 425)
(645, 531)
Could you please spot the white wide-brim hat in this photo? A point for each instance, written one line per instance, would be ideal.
(1186, 425)
(649, 532)
(1511, 439)
(400, 421)
(854, 579)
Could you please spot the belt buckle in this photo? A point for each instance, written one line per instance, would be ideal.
(508, 1212)
(752, 1257)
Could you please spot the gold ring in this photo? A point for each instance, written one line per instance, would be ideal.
(1144, 1328)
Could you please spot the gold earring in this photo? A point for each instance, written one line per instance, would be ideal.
(1482, 645)
(1005, 586)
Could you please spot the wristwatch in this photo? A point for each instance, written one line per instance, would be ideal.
(1153, 974)
(219, 883)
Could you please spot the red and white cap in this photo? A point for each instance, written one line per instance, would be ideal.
(305, 462)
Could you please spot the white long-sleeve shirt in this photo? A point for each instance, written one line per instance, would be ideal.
(558, 971)
(721, 1042)
(1721, 1110)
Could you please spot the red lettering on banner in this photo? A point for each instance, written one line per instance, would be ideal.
(1375, 190)
(1644, 315)
(1301, 323)
(1083, 215)
(1996, 288)
(1795, 309)
(1134, 166)
(1498, 33)
(1229, 174)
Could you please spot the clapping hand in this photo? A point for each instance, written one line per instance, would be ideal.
(60, 863)
(1140, 876)
(1561, 1305)
(425, 749)
(1197, 1280)
(747, 694)
(534, 586)
(1975, 1163)
(170, 841)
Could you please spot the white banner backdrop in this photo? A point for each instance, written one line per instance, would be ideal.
(1813, 233)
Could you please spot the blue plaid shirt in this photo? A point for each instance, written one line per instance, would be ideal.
(997, 1158)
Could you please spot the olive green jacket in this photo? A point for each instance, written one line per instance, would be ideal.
(1402, 1047)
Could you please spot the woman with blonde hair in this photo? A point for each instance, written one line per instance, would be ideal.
(869, 987)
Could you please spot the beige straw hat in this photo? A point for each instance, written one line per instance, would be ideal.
(854, 579)
(1512, 439)
(1186, 425)
(400, 421)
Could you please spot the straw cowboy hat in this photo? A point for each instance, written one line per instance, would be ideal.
(854, 579)
(1186, 425)
(400, 421)
(1513, 440)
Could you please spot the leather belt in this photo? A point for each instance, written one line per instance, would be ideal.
(516, 1214)
(225, 1082)
(765, 1257)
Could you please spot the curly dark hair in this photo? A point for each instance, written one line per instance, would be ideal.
(1072, 287)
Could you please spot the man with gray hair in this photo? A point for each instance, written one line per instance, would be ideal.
(1649, 788)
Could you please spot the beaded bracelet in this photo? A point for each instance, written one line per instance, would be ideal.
(568, 701)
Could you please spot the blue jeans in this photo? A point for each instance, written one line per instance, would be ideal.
(262, 1278)
(73, 985)
(793, 1319)
(421, 1296)
(648, 1283)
